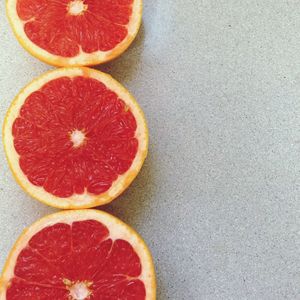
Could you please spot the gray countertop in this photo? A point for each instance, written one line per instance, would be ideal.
(218, 198)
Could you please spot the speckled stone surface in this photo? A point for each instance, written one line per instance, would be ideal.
(218, 198)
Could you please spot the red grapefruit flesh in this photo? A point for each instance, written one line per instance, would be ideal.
(79, 138)
(79, 255)
(75, 32)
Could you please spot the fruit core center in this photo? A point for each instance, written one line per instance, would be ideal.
(80, 290)
(76, 7)
(77, 137)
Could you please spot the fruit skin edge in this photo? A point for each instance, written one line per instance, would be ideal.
(60, 61)
(82, 211)
(102, 199)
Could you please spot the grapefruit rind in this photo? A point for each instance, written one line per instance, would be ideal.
(85, 200)
(82, 59)
(117, 228)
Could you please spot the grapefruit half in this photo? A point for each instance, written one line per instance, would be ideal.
(79, 255)
(75, 32)
(75, 138)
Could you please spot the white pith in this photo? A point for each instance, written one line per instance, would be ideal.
(83, 58)
(79, 291)
(117, 229)
(77, 138)
(86, 199)
(77, 7)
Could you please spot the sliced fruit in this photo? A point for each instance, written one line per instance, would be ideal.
(79, 255)
(75, 138)
(75, 32)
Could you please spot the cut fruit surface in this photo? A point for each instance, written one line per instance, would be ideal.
(75, 138)
(75, 32)
(79, 255)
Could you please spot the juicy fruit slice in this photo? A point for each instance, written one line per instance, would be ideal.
(79, 255)
(75, 32)
(75, 138)
(74, 134)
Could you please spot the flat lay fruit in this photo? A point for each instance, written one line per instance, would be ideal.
(75, 138)
(75, 32)
(79, 255)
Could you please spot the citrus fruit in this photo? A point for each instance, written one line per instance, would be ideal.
(75, 32)
(79, 255)
(75, 138)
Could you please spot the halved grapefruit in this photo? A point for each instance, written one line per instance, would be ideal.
(75, 32)
(79, 255)
(75, 138)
